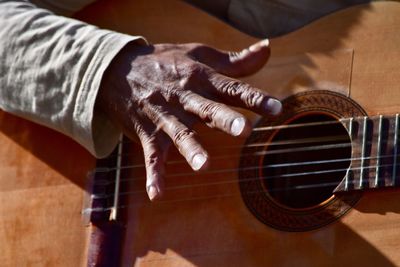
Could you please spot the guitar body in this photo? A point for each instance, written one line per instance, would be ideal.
(202, 219)
(42, 183)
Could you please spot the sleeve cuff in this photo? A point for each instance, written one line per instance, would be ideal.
(93, 130)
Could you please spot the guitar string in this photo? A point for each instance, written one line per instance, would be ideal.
(148, 202)
(264, 128)
(257, 129)
(290, 142)
(268, 166)
(275, 127)
(188, 186)
(280, 151)
(255, 167)
(273, 143)
(285, 126)
(260, 153)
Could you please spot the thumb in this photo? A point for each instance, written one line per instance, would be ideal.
(235, 64)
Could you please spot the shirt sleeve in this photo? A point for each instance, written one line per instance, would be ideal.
(51, 69)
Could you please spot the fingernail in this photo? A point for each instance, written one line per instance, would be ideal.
(273, 106)
(198, 161)
(255, 47)
(152, 192)
(237, 126)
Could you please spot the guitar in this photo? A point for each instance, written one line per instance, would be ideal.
(314, 187)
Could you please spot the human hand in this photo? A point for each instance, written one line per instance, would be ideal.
(156, 92)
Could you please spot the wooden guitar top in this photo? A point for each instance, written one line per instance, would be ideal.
(354, 52)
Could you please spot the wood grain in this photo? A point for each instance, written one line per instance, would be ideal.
(353, 52)
(42, 183)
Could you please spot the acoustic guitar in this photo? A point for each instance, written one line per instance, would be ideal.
(314, 186)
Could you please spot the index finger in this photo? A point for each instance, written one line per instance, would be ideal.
(240, 94)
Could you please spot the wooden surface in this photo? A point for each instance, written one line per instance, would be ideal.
(354, 52)
(42, 182)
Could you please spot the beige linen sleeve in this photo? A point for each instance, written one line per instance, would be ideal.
(50, 71)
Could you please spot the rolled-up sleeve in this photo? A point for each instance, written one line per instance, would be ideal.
(51, 69)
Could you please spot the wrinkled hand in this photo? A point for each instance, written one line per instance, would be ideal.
(156, 93)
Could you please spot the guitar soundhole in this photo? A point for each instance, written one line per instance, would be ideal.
(297, 168)
(304, 163)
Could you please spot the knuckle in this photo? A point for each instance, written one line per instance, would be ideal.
(143, 132)
(235, 56)
(194, 70)
(231, 87)
(171, 94)
(181, 135)
(208, 111)
(152, 157)
(252, 98)
(138, 128)
(153, 97)
(236, 89)
(184, 97)
(185, 83)
(191, 74)
(150, 97)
